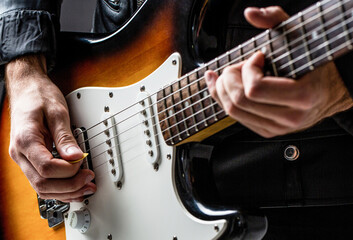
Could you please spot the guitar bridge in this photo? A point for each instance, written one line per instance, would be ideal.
(52, 210)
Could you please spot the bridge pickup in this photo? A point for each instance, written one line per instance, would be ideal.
(112, 152)
(148, 127)
(82, 140)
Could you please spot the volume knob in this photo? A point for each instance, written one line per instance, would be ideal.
(80, 220)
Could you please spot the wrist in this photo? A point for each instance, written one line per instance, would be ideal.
(25, 66)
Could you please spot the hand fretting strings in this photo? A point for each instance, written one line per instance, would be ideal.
(238, 59)
(347, 20)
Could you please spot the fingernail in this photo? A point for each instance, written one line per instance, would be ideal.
(88, 192)
(209, 78)
(89, 178)
(72, 150)
(262, 11)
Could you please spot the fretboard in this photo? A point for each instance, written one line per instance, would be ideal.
(317, 35)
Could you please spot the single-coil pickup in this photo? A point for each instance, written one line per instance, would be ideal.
(82, 140)
(112, 151)
(148, 127)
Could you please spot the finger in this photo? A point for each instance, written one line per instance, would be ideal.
(265, 17)
(86, 190)
(59, 126)
(46, 165)
(273, 90)
(54, 185)
(211, 78)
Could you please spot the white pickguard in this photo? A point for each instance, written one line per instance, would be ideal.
(147, 206)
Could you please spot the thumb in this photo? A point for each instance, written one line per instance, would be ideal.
(265, 17)
(65, 142)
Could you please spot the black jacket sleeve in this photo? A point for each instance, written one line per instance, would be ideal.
(28, 27)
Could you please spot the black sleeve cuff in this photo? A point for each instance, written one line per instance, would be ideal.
(24, 32)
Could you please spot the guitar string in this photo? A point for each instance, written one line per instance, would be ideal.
(175, 125)
(205, 120)
(186, 99)
(131, 148)
(235, 49)
(333, 50)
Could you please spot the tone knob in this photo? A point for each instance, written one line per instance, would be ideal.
(80, 220)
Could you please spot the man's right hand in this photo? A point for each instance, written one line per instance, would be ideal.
(39, 117)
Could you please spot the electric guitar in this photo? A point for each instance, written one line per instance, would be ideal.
(144, 106)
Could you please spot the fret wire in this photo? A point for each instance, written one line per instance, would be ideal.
(213, 109)
(344, 26)
(221, 111)
(154, 103)
(167, 114)
(182, 112)
(196, 113)
(315, 60)
(321, 17)
(173, 110)
(311, 41)
(306, 35)
(343, 45)
(273, 63)
(192, 109)
(289, 55)
(201, 103)
(303, 31)
(306, 10)
(156, 135)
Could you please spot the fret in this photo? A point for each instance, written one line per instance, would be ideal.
(201, 84)
(235, 55)
(207, 109)
(345, 27)
(299, 51)
(314, 36)
(249, 48)
(241, 52)
(187, 104)
(195, 101)
(279, 52)
(163, 118)
(172, 121)
(305, 43)
(213, 65)
(289, 52)
(223, 61)
(270, 54)
(178, 111)
(189, 121)
(322, 20)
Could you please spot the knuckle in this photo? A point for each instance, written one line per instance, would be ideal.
(64, 137)
(296, 120)
(59, 112)
(238, 99)
(45, 169)
(22, 139)
(13, 152)
(39, 184)
(253, 91)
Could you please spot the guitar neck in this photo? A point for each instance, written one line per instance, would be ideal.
(313, 37)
